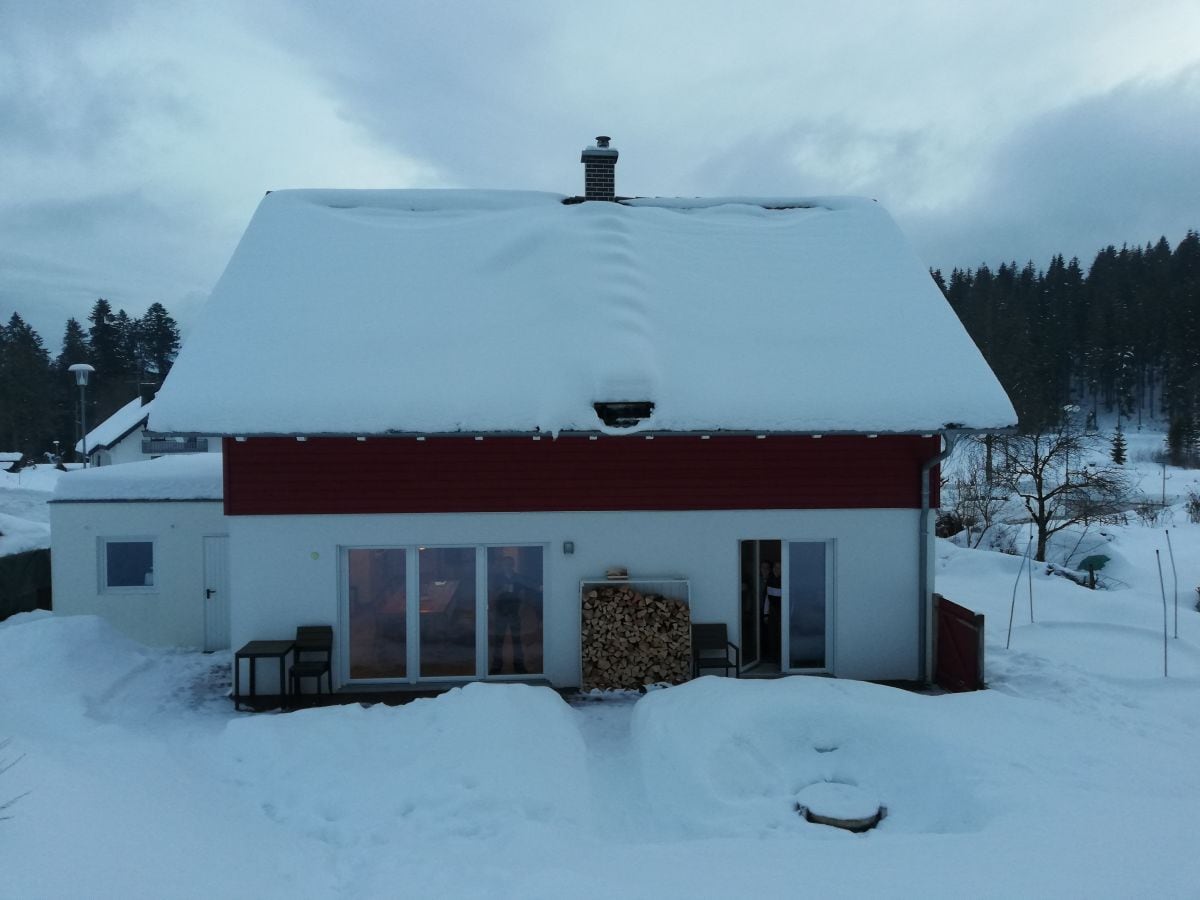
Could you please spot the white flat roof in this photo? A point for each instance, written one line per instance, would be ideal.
(186, 476)
(364, 312)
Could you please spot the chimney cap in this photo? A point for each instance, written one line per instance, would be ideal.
(601, 150)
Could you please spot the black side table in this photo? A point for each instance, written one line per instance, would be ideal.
(254, 651)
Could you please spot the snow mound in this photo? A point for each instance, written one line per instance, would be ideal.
(722, 756)
(19, 535)
(476, 762)
(79, 661)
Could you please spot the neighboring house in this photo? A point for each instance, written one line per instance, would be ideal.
(123, 438)
(445, 410)
(144, 545)
(10, 462)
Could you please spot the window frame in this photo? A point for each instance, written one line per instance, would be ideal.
(102, 544)
(412, 565)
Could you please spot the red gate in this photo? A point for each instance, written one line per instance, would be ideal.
(959, 644)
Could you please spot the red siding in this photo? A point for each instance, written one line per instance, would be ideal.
(266, 476)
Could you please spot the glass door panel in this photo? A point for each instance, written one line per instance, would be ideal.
(378, 613)
(514, 610)
(806, 605)
(446, 577)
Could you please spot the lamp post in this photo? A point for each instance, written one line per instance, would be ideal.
(82, 371)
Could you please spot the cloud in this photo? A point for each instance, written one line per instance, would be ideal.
(1115, 168)
(139, 136)
(144, 141)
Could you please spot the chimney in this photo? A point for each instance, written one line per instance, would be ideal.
(599, 170)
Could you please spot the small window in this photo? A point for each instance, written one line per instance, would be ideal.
(127, 564)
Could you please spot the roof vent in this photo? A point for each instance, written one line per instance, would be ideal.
(599, 170)
(623, 413)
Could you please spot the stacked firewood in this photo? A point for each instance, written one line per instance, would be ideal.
(630, 639)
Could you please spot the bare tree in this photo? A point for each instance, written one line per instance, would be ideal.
(977, 502)
(1062, 480)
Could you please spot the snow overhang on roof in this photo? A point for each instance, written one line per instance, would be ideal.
(191, 476)
(434, 312)
(129, 417)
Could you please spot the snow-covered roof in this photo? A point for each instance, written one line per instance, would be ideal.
(362, 312)
(116, 426)
(9, 458)
(186, 476)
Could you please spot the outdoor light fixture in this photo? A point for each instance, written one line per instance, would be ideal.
(569, 548)
(82, 372)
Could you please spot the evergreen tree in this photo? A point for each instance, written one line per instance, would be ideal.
(115, 381)
(159, 337)
(1181, 438)
(75, 349)
(1118, 448)
(128, 345)
(104, 338)
(26, 411)
(75, 346)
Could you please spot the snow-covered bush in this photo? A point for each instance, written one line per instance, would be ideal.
(1152, 514)
(1193, 506)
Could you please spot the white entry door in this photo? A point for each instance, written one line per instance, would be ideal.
(216, 593)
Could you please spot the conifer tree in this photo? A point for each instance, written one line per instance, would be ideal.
(159, 340)
(112, 355)
(75, 349)
(1118, 449)
(26, 411)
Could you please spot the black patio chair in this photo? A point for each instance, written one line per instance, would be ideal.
(313, 657)
(712, 649)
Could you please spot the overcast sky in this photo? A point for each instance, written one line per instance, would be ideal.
(137, 138)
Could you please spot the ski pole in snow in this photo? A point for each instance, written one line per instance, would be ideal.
(1174, 579)
(1029, 575)
(1163, 588)
(1013, 607)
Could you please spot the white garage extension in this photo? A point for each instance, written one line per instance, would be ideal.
(145, 546)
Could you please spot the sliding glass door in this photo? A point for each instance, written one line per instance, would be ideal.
(432, 613)
(446, 580)
(786, 605)
(377, 613)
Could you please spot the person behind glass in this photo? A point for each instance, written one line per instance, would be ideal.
(506, 592)
(773, 609)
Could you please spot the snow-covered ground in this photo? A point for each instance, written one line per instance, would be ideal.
(24, 517)
(1073, 776)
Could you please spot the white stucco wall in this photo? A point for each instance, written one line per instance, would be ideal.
(171, 613)
(127, 450)
(287, 571)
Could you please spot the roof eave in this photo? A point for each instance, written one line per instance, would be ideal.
(613, 432)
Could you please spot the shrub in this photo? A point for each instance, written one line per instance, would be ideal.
(1193, 506)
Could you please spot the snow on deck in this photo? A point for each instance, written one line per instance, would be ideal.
(190, 476)
(444, 311)
(115, 426)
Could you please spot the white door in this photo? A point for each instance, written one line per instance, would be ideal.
(216, 593)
